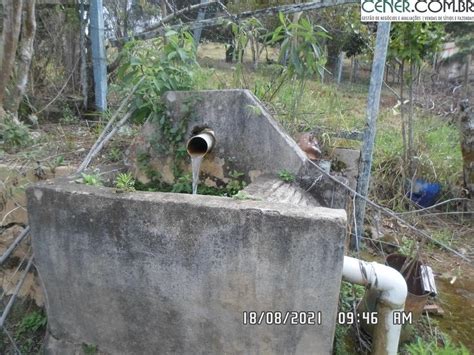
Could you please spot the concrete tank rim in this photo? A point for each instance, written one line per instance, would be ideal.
(284, 209)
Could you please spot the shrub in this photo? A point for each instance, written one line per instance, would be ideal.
(125, 181)
(14, 134)
(166, 63)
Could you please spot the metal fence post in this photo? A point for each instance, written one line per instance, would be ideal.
(373, 101)
(99, 59)
(198, 31)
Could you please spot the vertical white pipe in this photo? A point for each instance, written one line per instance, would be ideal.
(392, 289)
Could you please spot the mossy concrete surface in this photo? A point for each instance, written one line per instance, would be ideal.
(248, 140)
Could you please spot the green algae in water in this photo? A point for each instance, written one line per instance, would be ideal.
(457, 300)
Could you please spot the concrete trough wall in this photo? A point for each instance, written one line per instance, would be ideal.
(157, 273)
(248, 140)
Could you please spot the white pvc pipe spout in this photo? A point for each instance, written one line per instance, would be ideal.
(390, 288)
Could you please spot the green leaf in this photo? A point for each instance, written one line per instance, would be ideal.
(135, 61)
(122, 69)
(281, 17)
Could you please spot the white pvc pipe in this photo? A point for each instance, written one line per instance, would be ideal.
(391, 289)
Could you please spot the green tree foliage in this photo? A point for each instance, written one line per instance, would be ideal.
(355, 44)
(167, 63)
(302, 53)
(415, 41)
(300, 46)
(411, 43)
(347, 33)
(463, 35)
(249, 31)
(239, 6)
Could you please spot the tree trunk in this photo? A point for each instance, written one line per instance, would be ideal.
(10, 35)
(332, 57)
(28, 32)
(466, 128)
(402, 109)
(71, 49)
(82, 44)
(200, 17)
(163, 8)
(340, 63)
(355, 70)
(99, 59)
(352, 69)
(254, 51)
(258, 49)
(125, 18)
(466, 76)
(296, 19)
(411, 152)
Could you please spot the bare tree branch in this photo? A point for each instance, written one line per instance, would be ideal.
(100, 144)
(434, 206)
(168, 18)
(285, 9)
(93, 151)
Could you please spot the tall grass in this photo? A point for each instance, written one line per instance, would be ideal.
(438, 157)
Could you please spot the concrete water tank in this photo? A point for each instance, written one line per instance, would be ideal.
(164, 273)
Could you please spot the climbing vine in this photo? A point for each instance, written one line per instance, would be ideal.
(171, 137)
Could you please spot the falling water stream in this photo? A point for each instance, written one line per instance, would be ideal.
(198, 146)
(196, 166)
